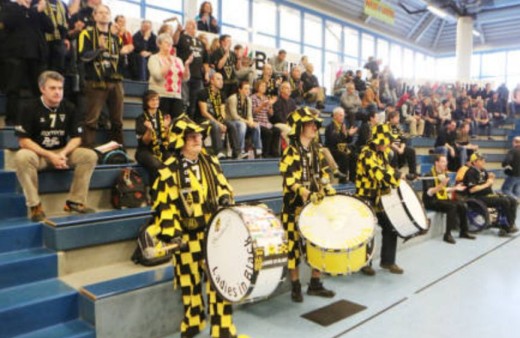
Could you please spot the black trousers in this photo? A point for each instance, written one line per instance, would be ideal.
(456, 214)
(150, 162)
(270, 141)
(408, 157)
(193, 86)
(389, 242)
(506, 204)
(171, 106)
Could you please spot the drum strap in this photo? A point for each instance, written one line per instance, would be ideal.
(310, 166)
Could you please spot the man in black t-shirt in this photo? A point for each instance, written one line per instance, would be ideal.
(225, 61)
(49, 136)
(479, 184)
(445, 142)
(187, 45)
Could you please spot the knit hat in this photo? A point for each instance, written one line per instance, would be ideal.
(300, 116)
(184, 125)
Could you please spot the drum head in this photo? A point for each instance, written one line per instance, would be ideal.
(413, 205)
(338, 223)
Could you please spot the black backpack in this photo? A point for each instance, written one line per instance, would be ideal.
(148, 251)
(112, 153)
(129, 190)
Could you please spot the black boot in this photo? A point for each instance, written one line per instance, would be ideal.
(316, 289)
(296, 293)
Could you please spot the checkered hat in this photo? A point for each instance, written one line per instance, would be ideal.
(182, 126)
(381, 135)
(300, 116)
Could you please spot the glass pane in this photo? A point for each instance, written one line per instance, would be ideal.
(420, 65)
(237, 35)
(396, 60)
(429, 70)
(263, 40)
(290, 47)
(475, 66)
(312, 30)
(214, 5)
(332, 36)
(383, 48)
(235, 12)
(351, 47)
(314, 57)
(513, 66)
(175, 5)
(332, 65)
(445, 69)
(264, 18)
(408, 61)
(290, 24)
(367, 46)
(350, 64)
(493, 64)
(160, 15)
(129, 10)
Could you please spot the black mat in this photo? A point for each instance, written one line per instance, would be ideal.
(334, 312)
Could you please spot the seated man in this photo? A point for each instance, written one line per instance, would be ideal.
(311, 87)
(337, 139)
(282, 108)
(351, 103)
(480, 182)
(50, 136)
(211, 107)
(296, 86)
(280, 65)
(445, 142)
(412, 116)
(401, 151)
(240, 114)
(437, 196)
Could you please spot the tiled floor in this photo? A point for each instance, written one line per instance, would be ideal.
(471, 289)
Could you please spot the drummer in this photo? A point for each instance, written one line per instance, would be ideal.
(436, 196)
(304, 179)
(376, 177)
(189, 190)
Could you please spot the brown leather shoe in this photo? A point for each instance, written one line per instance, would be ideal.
(37, 214)
(393, 268)
(368, 271)
(77, 207)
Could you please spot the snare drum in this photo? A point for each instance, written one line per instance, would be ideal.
(337, 233)
(405, 211)
(246, 253)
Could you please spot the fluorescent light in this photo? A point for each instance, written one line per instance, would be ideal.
(476, 33)
(437, 11)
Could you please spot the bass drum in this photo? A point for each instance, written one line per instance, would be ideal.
(246, 253)
(405, 211)
(338, 233)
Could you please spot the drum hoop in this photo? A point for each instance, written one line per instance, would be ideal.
(484, 207)
(339, 250)
(409, 214)
(255, 273)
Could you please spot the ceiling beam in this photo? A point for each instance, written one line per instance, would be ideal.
(425, 28)
(499, 15)
(481, 31)
(438, 36)
(417, 25)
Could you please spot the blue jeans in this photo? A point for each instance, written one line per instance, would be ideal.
(242, 129)
(511, 186)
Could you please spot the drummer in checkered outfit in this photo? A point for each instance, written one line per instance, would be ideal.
(189, 191)
(304, 179)
(375, 177)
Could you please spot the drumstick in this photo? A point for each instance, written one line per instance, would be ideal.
(153, 252)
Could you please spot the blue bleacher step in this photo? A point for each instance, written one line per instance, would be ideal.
(34, 306)
(19, 233)
(12, 206)
(135, 88)
(7, 181)
(26, 266)
(429, 142)
(132, 109)
(79, 231)
(72, 329)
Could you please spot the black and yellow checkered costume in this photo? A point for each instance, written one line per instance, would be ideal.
(374, 178)
(187, 214)
(292, 168)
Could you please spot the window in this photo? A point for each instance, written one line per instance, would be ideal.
(128, 9)
(445, 69)
(396, 60)
(314, 57)
(312, 30)
(408, 63)
(367, 47)
(332, 66)
(290, 24)
(159, 15)
(513, 66)
(290, 47)
(429, 71)
(332, 37)
(475, 66)
(264, 18)
(351, 44)
(235, 12)
(383, 49)
(420, 62)
(170, 5)
(493, 64)
(237, 35)
(350, 63)
(264, 40)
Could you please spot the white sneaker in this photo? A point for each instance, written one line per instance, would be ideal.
(221, 155)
